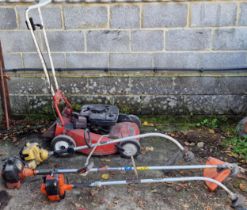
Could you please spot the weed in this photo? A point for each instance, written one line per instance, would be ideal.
(208, 122)
(238, 146)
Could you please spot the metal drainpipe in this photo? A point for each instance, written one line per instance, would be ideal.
(4, 91)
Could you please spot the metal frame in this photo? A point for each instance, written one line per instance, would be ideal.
(43, 3)
(4, 91)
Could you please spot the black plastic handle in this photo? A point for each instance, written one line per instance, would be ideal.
(33, 25)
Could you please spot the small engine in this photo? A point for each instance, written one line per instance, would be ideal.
(55, 186)
(12, 172)
(98, 117)
(100, 114)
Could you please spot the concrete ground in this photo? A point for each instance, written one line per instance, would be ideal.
(165, 196)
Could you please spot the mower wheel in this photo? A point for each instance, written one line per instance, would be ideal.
(129, 148)
(62, 142)
(129, 118)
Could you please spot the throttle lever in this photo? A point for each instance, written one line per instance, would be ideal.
(33, 25)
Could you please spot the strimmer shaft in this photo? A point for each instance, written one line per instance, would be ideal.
(131, 168)
(168, 168)
(232, 195)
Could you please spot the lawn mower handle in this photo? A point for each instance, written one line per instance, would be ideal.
(41, 3)
(31, 27)
(57, 94)
(57, 99)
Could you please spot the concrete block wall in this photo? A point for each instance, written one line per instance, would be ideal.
(186, 34)
(146, 35)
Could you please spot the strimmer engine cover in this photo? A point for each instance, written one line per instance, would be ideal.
(11, 172)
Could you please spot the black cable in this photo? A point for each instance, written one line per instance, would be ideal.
(155, 69)
(87, 138)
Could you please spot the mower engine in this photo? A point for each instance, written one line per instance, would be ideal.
(100, 118)
(12, 172)
(97, 117)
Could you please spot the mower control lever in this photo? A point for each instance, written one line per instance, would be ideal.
(33, 25)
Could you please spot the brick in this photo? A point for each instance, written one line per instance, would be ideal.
(130, 60)
(17, 41)
(7, 18)
(150, 85)
(224, 60)
(233, 85)
(176, 60)
(108, 41)
(108, 86)
(12, 61)
(187, 85)
(230, 39)
(128, 104)
(31, 60)
(237, 104)
(197, 85)
(206, 104)
(85, 17)
(51, 16)
(24, 86)
(215, 14)
(92, 60)
(147, 40)
(10, 1)
(152, 104)
(19, 104)
(40, 104)
(164, 15)
(125, 17)
(90, 99)
(200, 60)
(73, 85)
(243, 14)
(188, 39)
(66, 41)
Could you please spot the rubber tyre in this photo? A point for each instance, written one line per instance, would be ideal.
(130, 118)
(62, 142)
(136, 148)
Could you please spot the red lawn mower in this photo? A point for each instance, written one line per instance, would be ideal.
(95, 122)
(97, 126)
